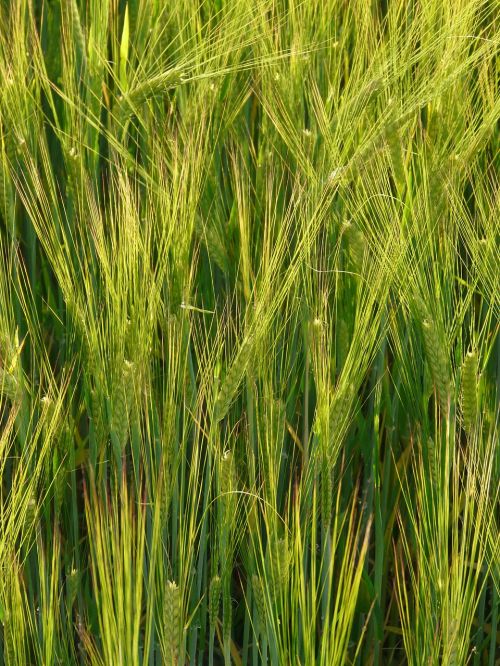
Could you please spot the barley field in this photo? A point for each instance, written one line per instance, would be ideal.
(249, 332)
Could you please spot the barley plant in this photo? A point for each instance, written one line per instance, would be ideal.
(249, 332)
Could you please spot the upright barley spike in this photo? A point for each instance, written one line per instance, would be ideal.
(432, 462)
(438, 361)
(356, 245)
(98, 420)
(469, 390)
(278, 566)
(326, 487)
(227, 612)
(233, 378)
(171, 622)
(72, 583)
(122, 397)
(260, 600)
(8, 642)
(214, 600)
(227, 485)
(77, 34)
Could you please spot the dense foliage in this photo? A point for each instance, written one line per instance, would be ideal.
(249, 332)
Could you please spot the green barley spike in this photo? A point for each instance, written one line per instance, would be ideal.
(260, 600)
(342, 343)
(214, 600)
(31, 514)
(97, 417)
(340, 410)
(469, 390)
(438, 361)
(394, 145)
(72, 583)
(215, 248)
(432, 462)
(227, 484)
(129, 103)
(227, 611)
(233, 378)
(6, 192)
(171, 622)
(228, 472)
(59, 474)
(278, 565)
(8, 642)
(453, 640)
(122, 397)
(78, 36)
(326, 495)
(9, 386)
(356, 244)
(119, 413)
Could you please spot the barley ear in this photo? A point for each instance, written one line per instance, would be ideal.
(231, 383)
(171, 622)
(260, 601)
(469, 390)
(214, 600)
(326, 495)
(9, 654)
(72, 583)
(438, 361)
(432, 462)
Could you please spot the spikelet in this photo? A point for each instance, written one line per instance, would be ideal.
(469, 390)
(233, 378)
(72, 582)
(171, 622)
(438, 361)
(214, 600)
(260, 600)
